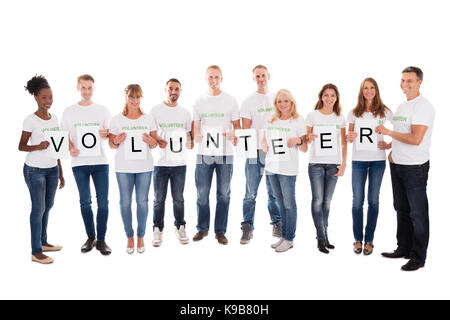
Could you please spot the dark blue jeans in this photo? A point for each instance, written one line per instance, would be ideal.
(177, 178)
(100, 176)
(409, 188)
(284, 190)
(254, 171)
(360, 171)
(323, 181)
(206, 165)
(42, 184)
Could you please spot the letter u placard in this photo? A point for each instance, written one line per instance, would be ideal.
(175, 151)
(135, 147)
(88, 141)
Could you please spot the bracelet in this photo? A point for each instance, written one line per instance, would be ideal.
(115, 145)
(299, 144)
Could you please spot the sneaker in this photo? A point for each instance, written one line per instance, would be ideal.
(140, 245)
(247, 233)
(276, 244)
(181, 235)
(285, 246)
(157, 237)
(276, 230)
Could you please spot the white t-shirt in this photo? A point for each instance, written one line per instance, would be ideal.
(364, 155)
(289, 129)
(168, 120)
(316, 118)
(120, 123)
(217, 112)
(38, 127)
(85, 116)
(259, 108)
(418, 111)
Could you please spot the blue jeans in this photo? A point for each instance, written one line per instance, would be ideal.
(177, 177)
(100, 176)
(360, 170)
(409, 188)
(206, 165)
(42, 183)
(254, 171)
(141, 183)
(284, 190)
(323, 181)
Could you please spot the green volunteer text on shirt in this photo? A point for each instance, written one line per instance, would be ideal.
(91, 124)
(212, 115)
(134, 128)
(50, 129)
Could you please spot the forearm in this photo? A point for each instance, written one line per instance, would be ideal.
(60, 168)
(408, 138)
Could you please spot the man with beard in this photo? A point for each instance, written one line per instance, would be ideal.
(170, 119)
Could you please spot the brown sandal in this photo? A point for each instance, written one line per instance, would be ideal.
(368, 248)
(357, 247)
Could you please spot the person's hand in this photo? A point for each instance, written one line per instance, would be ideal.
(162, 143)
(382, 130)
(62, 182)
(43, 145)
(293, 142)
(121, 137)
(74, 152)
(198, 138)
(264, 146)
(149, 140)
(351, 136)
(383, 145)
(390, 157)
(103, 133)
(311, 136)
(341, 170)
(190, 144)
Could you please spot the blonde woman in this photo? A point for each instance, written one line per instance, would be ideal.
(286, 131)
(133, 174)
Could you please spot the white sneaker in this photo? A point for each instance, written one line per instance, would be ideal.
(130, 250)
(141, 249)
(181, 235)
(157, 237)
(276, 244)
(285, 246)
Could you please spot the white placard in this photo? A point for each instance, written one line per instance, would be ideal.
(135, 147)
(247, 146)
(367, 138)
(277, 142)
(59, 144)
(88, 141)
(212, 143)
(175, 151)
(326, 142)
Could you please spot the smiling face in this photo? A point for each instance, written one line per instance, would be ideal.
(284, 105)
(133, 102)
(410, 84)
(329, 98)
(369, 91)
(86, 89)
(173, 91)
(261, 77)
(213, 78)
(44, 99)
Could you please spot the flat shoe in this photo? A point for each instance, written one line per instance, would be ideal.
(47, 260)
(355, 249)
(368, 248)
(50, 248)
(141, 249)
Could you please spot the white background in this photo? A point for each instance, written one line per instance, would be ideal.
(305, 45)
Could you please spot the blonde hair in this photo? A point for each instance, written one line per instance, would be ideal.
(288, 94)
(85, 77)
(260, 66)
(132, 90)
(215, 67)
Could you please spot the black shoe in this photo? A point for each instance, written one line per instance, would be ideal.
(328, 244)
(247, 233)
(103, 248)
(412, 265)
(88, 245)
(396, 254)
(322, 245)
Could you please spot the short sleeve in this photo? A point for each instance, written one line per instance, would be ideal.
(64, 122)
(27, 125)
(195, 112)
(234, 110)
(107, 119)
(245, 110)
(351, 117)
(114, 126)
(310, 120)
(188, 124)
(423, 115)
(389, 115)
(152, 123)
(342, 121)
(301, 130)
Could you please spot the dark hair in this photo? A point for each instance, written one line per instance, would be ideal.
(337, 105)
(173, 80)
(416, 70)
(35, 84)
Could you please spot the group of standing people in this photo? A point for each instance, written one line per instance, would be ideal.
(269, 114)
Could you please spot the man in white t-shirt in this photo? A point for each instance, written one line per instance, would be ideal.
(173, 123)
(88, 124)
(256, 110)
(215, 116)
(409, 162)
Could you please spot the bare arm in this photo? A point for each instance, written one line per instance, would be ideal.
(413, 138)
(344, 154)
(23, 143)
(246, 123)
(62, 182)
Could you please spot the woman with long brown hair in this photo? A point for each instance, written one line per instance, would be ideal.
(367, 164)
(325, 167)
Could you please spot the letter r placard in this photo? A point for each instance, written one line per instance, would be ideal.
(88, 141)
(367, 139)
